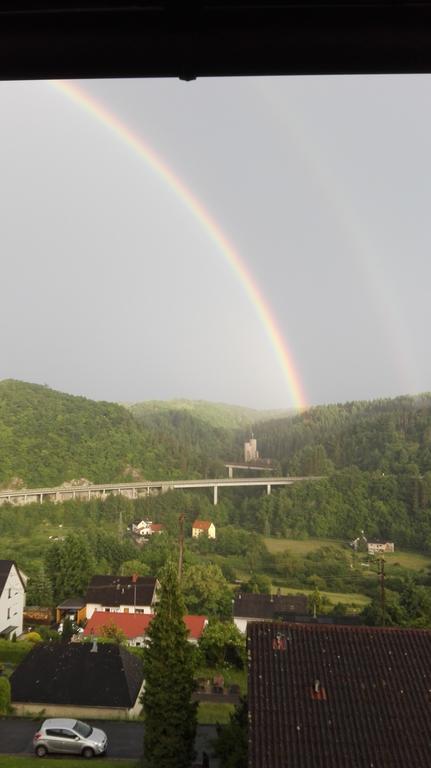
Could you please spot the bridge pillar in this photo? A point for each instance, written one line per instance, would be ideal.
(230, 470)
(268, 489)
(215, 495)
(41, 498)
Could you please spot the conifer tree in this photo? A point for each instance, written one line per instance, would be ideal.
(170, 715)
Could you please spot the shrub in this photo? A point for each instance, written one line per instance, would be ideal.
(4, 695)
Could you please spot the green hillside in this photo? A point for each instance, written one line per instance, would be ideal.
(47, 437)
(216, 414)
(389, 436)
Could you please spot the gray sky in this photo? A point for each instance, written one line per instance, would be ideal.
(110, 288)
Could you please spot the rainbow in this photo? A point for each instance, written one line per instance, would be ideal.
(141, 148)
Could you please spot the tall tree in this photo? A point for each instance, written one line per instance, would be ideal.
(231, 745)
(170, 715)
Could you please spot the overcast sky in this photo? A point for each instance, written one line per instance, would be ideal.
(111, 289)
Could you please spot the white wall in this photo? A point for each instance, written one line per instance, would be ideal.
(91, 607)
(12, 608)
(241, 624)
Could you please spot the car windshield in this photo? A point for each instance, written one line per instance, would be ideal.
(83, 729)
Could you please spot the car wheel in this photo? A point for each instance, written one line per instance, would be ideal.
(87, 752)
(41, 751)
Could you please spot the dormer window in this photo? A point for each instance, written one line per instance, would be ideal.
(279, 642)
(318, 692)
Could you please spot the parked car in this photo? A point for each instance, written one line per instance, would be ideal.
(69, 736)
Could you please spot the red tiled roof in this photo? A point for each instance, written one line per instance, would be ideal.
(136, 624)
(202, 524)
(157, 527)
(338, 696)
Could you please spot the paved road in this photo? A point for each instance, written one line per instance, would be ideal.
(124, 739)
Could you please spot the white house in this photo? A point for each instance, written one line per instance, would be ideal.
(12, 598)
(205, 527)
(146, 528)
(375, 547)
(121, 594)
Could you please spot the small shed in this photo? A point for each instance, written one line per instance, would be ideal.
(73, 609)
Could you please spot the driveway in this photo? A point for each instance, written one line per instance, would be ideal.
(125, 739)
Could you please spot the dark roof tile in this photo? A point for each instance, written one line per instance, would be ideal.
(250, 606)
(71, 674)
(120, 590)
(375, 700)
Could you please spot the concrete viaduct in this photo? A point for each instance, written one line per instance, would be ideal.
(138, 490)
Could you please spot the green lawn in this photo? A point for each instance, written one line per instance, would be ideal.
(231, 676)
(349, 598)
(300, 547)
(412, 560)
(14, 652)
(415, 561)
(15, 761)
(209, 713)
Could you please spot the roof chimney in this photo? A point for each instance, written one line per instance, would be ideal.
(134, 578)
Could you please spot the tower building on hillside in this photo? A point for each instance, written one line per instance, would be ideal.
(250, 449)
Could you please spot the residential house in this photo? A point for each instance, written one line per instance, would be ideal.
(12, 598)
(338, 696)
(205, 527)
(380, 547)
(121, 594)
(147, 528)
(78, 680)
(135, 627)
(248, 607)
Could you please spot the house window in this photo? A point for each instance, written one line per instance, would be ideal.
(139, 610)
(8, 613)
(9, 592)
(107, 610)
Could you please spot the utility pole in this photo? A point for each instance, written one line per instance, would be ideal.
(120, 524)
(181, 546)
(381, 573)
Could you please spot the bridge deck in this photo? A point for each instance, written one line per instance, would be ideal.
(134, 489)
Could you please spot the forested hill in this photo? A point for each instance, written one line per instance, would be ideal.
(219, 415)
(391, 436)
(47, 437)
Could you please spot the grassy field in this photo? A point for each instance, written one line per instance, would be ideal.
(300, 547)
(412, 560)
(19, 761)
(415, 561)
(349, 598)
(209, 713)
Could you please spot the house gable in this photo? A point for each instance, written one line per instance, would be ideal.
(12, 598)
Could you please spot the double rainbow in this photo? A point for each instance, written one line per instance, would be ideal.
(141, 148)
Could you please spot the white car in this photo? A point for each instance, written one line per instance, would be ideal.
(69, 737)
